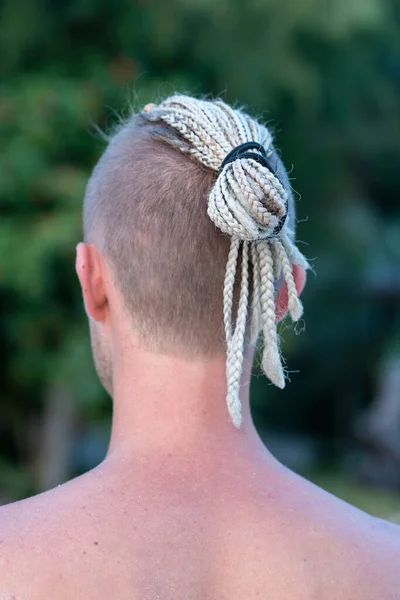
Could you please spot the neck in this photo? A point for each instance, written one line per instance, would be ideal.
(163, 405)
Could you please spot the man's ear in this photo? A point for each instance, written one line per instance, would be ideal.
(88, 267)
(281, 302)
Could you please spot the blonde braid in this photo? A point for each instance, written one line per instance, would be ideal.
(277, 264)
(235, 345)
(250, 204)
(229, 286)
(271, 361)
(256, 301)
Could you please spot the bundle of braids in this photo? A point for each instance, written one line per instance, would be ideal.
(250, 204)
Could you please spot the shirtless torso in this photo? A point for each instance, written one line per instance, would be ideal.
(236, 528)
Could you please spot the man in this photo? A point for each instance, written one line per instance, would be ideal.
(189, 251)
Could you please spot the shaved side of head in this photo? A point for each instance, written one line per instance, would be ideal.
(146, 209)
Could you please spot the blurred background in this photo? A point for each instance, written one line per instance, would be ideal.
(325, 74)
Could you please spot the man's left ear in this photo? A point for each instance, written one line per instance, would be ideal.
(90, 274)
(281, 301)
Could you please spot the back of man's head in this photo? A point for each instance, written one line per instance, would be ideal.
(192, 207)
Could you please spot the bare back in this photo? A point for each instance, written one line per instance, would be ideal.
(165, 533)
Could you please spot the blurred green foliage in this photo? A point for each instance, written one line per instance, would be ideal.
(324, 74)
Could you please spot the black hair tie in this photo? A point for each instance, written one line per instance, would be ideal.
(242, 151)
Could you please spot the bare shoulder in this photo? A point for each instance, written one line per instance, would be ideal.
(19, 543)
(34, 536)
(378, 573)
(385, 539)
(355, 554)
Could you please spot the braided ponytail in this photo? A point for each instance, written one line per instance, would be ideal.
(250, 204)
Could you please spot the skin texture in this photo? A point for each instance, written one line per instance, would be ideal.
(185, 506)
